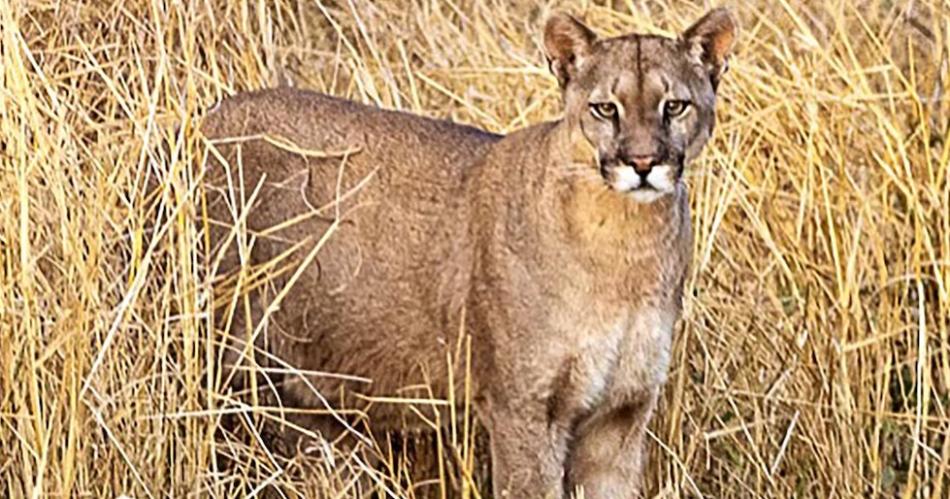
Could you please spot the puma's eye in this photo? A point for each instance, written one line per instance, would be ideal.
(674, 108)
(604, 110)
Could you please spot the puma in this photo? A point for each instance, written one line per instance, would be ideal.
(560, 250)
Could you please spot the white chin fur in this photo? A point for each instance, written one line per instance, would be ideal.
(646, 196)
(626, 179)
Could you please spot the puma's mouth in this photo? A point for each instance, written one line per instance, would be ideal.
(643, 186)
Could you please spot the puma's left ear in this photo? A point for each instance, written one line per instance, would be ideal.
(711, 40)
(566, 42)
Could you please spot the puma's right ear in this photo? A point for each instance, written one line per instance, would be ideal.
(566, 42)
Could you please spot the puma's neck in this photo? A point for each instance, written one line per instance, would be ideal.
(594, 214)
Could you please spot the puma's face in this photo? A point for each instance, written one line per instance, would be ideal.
(646, 104)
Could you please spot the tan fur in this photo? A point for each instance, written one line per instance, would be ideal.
(569, 289)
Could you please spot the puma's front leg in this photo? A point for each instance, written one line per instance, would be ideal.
(527, 453)
(608, 454)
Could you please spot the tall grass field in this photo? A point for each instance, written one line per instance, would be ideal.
(813, 359)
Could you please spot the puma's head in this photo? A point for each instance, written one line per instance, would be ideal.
(646, 104)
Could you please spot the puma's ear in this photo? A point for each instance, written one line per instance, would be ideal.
(566, 42)
(711, 40)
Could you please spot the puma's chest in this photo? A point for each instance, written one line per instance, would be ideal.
(614, 361)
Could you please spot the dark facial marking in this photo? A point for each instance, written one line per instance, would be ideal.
(640, 79)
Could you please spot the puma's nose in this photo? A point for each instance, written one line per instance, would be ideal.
(643, 164)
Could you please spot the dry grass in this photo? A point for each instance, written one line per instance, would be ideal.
(814, 358)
